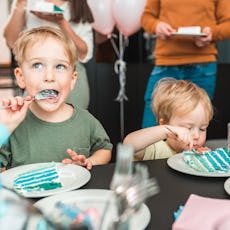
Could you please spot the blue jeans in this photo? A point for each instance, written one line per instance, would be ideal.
(203, 74)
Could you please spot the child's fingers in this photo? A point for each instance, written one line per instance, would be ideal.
(72, 154)
(67, 161)
(89, 166)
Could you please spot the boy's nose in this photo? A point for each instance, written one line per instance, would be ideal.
(49, 75)
(195, 133)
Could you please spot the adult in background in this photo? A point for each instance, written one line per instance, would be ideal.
(75, 22)
(191, 58)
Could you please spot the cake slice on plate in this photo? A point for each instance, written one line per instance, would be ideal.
(39, 179)
(209, 161)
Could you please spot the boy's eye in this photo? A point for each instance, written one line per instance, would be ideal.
(203, 129)
(37, 66)
(60, 67)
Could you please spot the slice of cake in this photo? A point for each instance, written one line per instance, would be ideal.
(45, 7)
(209, 161)
(36, 180)
(189, 30)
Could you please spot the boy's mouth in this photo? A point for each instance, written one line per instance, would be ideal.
(50, 95)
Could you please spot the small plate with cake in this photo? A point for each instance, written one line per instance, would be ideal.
(45, 179)
(44, 7)
(208, 164)
(193, 31)
(98, 204)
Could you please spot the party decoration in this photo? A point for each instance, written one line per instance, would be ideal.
(127, 15)
(103, 17)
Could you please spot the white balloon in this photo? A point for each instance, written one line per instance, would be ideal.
(127, 15)
(103, 17)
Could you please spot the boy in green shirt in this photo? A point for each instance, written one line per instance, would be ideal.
(52, 129)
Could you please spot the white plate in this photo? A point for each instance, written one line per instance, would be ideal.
(71, 176)
(177, 163)
(88, 198)
(190, 34)
(227, 186)
(47, 12)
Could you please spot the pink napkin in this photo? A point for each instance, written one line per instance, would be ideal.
(202, 213)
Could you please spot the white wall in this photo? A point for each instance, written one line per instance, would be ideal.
(5, 56)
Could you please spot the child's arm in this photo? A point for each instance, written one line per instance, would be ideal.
(11, 117)
(102, 156)
(142, 138)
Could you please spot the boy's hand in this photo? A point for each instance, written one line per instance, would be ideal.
(182, 135)
(77, 159)
(15, 114)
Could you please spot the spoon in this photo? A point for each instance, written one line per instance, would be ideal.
(42, 95)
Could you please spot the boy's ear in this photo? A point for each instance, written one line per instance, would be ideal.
(74, 79)
(161, 121)
(19, 77)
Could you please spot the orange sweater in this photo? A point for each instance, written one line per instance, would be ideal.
(182, 50)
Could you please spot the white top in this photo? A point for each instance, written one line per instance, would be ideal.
(83, 30)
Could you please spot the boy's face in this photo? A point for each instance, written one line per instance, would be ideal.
(196, 121)
(46, 66)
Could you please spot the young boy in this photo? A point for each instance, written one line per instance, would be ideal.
(183, 111)
(52, 129)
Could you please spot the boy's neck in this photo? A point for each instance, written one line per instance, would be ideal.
(63, 113)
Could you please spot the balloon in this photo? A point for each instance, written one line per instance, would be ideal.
(127, 15)
(103, 17)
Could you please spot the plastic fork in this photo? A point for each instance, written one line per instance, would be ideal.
(42, 95)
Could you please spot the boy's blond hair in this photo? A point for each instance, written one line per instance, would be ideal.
(34, 35)
(182, 96)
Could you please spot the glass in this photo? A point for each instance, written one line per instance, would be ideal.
(124, 166)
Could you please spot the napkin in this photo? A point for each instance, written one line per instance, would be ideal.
(202, 213)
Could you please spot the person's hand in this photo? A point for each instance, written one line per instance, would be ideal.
(21, 3)
(204, 41)
(181, 135)
(77, 159)
(164, 30)
(15, 114)
(55, 18)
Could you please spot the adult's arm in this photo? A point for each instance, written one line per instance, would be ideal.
(15, 23)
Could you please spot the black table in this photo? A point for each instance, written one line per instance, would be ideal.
(175, 188)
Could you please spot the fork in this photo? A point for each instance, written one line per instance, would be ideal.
(171, 131)
(42, 95)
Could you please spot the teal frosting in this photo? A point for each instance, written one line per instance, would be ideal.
(209, 161)
(43, 178)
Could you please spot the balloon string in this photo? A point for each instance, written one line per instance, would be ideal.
(120, 68)
(114, 46)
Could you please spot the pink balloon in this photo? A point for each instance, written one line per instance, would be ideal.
(103, 17)
(127, 15)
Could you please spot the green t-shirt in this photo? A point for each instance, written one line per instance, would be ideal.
(36, 141)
